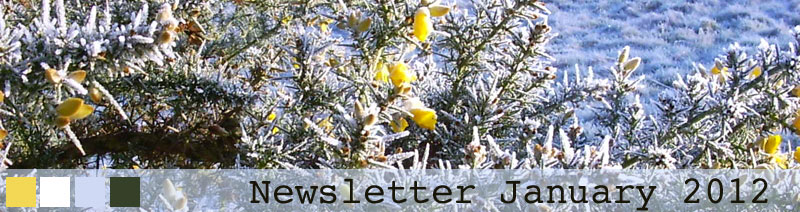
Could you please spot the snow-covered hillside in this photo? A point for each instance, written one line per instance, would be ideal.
(669, 35)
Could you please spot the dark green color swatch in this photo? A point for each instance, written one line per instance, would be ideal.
(125, 192)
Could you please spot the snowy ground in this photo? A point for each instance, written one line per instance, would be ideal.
(668, 35)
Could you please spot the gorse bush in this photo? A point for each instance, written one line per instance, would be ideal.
(365, 84)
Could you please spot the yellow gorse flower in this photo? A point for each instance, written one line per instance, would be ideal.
(354, 19)
(779, 160)
(756, 72)
(438, 10)
(3, 134)
(771, 144)
(370, 120)
(333, 62)
(796, 91)
(623, 55)
(797, 154)
(82, 113)
(164, 13)
(779, 83)
(326, 125)
(720, 71)
(796, 122)
(355, 22)
(422, 24)
(62, 121)
(95, 95)
(52, 76)
(363, 26)
(402, 89)
(382, 72)
(286, 19)
(78, 76)
(165, 37)
(632, 64)
(72, 109)
(324, 24)
(399, 125)
(272, 116)
(2, 97)
(399, 74)
(69, 107)
(424, 117)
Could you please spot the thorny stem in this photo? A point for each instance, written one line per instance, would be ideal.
(238, 51)
(701, 116)
(461, 65)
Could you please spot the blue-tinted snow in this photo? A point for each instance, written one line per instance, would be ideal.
(668, 35)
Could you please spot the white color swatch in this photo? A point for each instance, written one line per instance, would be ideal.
(54, 191)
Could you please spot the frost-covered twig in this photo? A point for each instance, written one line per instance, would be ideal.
(74, 139)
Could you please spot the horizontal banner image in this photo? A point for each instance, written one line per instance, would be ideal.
(391, 190)
(399, 105)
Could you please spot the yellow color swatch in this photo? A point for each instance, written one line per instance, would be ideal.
(20, 192)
